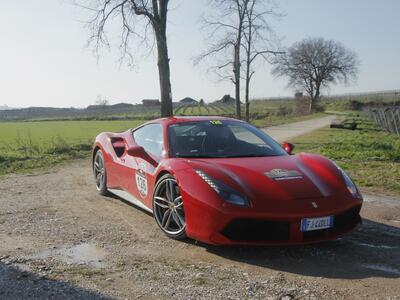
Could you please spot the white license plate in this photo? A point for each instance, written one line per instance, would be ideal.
(310, 224)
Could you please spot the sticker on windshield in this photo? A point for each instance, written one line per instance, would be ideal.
(216, 122)
(141, 180)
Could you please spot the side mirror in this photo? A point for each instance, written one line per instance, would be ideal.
(138, 151)
(288, 147)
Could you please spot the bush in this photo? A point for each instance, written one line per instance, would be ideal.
(284, 111)
(302, 106)
(319, 108)
(259, 116)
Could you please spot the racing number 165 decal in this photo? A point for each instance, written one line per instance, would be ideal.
(141, 180)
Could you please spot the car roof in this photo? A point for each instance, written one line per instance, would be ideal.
(183, 119)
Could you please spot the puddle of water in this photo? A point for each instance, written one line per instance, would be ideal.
(87, 254)
(382, 268)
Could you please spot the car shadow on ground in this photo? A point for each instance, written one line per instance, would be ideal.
(16, 283)
(112, 196)
(372, 250)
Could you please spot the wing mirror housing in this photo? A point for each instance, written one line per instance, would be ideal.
(138, 151)
(288, 147)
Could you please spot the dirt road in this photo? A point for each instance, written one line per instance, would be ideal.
(291, 130)
(59, 239)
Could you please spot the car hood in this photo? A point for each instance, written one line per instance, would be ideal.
(303, 176)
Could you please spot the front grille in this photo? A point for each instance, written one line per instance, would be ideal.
(257, 230)
(341, 222)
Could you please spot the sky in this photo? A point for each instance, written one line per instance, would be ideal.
(45, 61)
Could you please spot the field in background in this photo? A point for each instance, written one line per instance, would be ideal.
(44, 141)
(47, 132)
(30, 145)
(206, 109)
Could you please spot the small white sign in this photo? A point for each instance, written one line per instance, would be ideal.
(141, 183)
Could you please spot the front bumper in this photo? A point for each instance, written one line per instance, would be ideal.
(250, 227)
(277, 221)
(256, 231)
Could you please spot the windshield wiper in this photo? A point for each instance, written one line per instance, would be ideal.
(195, 156)
(248, 155)
(223, 156)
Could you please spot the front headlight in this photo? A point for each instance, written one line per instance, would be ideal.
(351, 186)
(223, 190)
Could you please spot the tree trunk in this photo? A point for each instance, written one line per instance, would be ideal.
(236, 71)
(314, 99)
(311, 107)
(247, 103)
(164, 74)
(247, 100)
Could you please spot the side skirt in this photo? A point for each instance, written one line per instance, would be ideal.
(131, 199)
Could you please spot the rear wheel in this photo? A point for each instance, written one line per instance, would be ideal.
(100, 173)
(168, 208)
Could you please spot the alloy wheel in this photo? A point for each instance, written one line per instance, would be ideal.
(168, 207)
(99, 171)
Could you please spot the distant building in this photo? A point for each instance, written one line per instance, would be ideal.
(150, 102)
(188, 100)
(298, 95)
(226, 99)
(115, 108)
(122, 106)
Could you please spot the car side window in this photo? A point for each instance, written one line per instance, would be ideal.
(150, 137)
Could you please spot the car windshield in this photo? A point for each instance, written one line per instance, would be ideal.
(220, 138)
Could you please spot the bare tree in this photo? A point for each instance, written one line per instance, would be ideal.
(226, 34)
(140, 20)
(315, 63)
(259, 40)
(102, 101)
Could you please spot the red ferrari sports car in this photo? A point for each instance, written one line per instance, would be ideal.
(222, 181)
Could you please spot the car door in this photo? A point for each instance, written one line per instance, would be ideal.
(150, 137)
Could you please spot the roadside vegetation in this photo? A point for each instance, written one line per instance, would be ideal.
(264, 113)
(370, 155)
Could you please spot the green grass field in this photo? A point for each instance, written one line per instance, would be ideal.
(30, 145)
(369, 155)
(43, 133)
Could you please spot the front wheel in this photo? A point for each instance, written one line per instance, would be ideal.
(100, 173)
(168, 208)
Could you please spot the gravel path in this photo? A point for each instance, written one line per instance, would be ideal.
(285, 132)
(59, 239)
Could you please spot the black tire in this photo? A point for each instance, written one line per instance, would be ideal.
(100, 173)
(168, 208)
